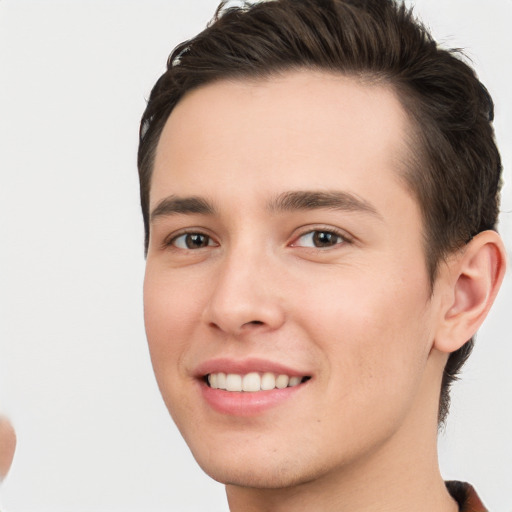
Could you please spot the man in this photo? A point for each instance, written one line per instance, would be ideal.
(319, 185)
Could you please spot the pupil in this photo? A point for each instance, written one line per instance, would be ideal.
(195, 241)
(323, 238)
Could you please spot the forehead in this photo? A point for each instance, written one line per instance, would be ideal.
(298, 130)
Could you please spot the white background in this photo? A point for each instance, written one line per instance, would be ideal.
(75, 377)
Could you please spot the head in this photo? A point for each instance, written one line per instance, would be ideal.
(452, 167)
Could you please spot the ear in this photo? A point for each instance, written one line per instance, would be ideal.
(471, 281)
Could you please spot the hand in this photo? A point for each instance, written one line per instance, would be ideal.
(7, 446)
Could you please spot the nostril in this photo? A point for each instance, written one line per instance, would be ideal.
(254, 322)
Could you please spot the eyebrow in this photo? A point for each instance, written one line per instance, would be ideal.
(315, 200)
(285, 202)
(175, 205)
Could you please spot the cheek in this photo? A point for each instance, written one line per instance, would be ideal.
(375, 330)
(171, 312)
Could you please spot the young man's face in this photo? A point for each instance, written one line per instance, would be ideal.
(283, 242)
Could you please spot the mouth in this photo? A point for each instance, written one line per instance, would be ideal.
(252, 382)
(250, 387)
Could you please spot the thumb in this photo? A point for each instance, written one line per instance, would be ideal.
(7, 446)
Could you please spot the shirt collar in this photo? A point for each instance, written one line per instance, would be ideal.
(465, 496)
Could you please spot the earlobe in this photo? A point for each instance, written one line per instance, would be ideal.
(474, 276)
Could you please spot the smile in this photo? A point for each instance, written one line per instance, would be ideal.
(252, 382)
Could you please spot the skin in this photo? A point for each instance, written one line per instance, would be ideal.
(357, 315)
(7, 446)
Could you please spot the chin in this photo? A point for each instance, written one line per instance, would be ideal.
(276, 477)
(265, 466)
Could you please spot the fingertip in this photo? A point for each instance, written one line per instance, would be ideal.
(7, 446)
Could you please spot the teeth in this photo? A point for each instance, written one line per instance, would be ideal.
(233, 382)
(213, 380)
(221, 380)
(282, 381)
(268, 381)
(294, 381)
(251, 382)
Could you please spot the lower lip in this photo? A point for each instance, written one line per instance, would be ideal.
(247, 403)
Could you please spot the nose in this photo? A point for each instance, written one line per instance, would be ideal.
(246, 295)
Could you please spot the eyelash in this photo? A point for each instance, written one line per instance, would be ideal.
(171, 242)
(342, 238)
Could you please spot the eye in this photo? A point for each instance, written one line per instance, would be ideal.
(319, 239)
(192, 241)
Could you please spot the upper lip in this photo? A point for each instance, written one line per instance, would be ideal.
(244, 366)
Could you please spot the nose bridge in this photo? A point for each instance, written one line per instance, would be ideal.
(244, 293)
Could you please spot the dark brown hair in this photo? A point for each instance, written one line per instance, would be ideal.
(454, 168)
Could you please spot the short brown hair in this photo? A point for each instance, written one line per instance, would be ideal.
(455, 167)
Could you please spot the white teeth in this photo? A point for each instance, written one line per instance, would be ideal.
(282, 381)
(212, 379)
(221, 380)
(294, 381)
(233, 382)
(268, 381)
(251, 382)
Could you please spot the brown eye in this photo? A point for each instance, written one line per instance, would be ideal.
(325, 239)
(319, 239)
(192, 241)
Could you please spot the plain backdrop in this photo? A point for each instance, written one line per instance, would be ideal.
(75, 376)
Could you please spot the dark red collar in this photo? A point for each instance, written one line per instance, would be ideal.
(465, 496)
